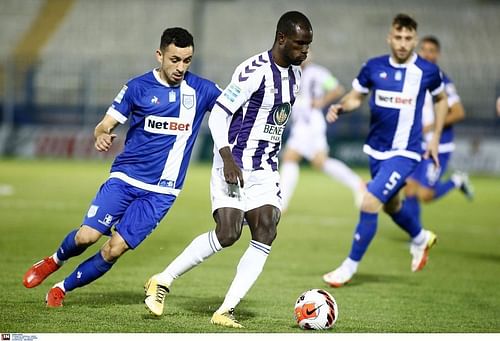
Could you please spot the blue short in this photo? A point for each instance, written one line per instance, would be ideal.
(388, 176)
(136, 212)
(427, 174)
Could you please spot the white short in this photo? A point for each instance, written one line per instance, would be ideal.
(261, 187)
(308, 138)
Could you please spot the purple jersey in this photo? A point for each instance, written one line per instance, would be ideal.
(258, 101)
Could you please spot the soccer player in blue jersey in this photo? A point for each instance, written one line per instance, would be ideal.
(165, 108)
(398, 82)
(425, 183)
(247, 123)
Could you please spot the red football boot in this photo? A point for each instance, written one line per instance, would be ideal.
(55, 297)
(39, 271)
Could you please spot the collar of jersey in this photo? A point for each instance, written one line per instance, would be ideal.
(161, 81)
(411, 60)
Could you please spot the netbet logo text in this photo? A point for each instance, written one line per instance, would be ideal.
(166, 125)
(392, 99)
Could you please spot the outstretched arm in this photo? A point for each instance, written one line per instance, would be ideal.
(103, 133)
(349, 102)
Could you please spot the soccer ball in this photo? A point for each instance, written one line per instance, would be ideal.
(316, 309)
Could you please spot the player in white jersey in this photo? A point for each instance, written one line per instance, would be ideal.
(425, 184)
(165, 107)
(398, 83)
(308, 133)
(247, 123)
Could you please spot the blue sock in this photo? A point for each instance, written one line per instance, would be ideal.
(407, 219)
(443, 187)
(413, 205)
(365, 231)
(69, 248)
(87, 272)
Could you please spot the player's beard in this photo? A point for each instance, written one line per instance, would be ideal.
(402, 56)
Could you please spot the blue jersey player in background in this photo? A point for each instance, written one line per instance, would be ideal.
(165, 108)
(425, 184)
(398, 83)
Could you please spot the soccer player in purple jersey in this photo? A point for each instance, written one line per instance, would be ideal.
(398, 83)
(425, 184)
(165, 107)
(247, 123)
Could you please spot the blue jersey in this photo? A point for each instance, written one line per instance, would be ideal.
(446, 144)
(164, 123)
(398, 94)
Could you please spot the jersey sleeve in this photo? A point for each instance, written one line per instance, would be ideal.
(436, 84)
(214, 92)
(239, 91)
(362, 83)
(330, 82)
(451, 91)
(123, 103)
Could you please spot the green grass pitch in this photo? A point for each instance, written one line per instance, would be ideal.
(458, 291)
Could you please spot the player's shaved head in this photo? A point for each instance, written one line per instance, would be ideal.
(178, 36)
(402, 20)
(289, 22)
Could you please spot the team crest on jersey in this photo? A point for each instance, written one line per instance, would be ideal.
(281, 114)
(187, 101)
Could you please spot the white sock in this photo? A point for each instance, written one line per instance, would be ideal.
(289, 175)
(60, 285)
(200, 249)
(339, 171)
(57, 260)
(419, 238)
(248, 270)
(352, 265)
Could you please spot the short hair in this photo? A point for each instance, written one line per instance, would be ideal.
(288, 21)
(432, 40)
(177, 36)
(404, 21)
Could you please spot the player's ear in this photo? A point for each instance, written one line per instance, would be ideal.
(281, 38)
(159, 56)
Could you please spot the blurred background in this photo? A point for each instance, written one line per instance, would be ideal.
(62, 62)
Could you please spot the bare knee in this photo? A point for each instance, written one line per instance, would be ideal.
(114, 248)
(392, 206)
(86, 236)
(228, 233)
(317, 164)
(425, 195)
(318, 161)
(265, 234)
(264, 228)
(229, 223)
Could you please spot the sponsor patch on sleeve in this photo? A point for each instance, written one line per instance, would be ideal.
(232, 92)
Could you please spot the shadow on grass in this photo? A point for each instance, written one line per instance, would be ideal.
(207, 305)
(361, 279)
(98, 299)
(482, 256)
